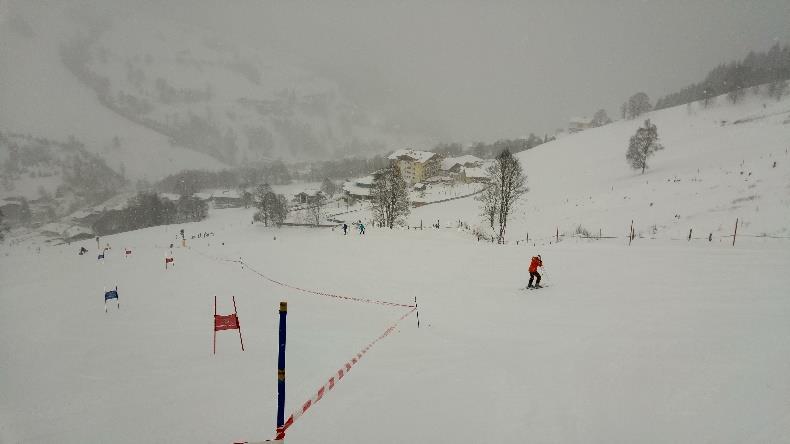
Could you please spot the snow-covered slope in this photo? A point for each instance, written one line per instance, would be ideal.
(658, 342)
(717, 165)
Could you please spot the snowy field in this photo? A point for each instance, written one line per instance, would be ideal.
(662, 341)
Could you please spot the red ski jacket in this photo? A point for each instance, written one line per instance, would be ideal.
(533, 266)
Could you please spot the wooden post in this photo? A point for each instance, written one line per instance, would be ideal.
(418, 311)
(735, 233)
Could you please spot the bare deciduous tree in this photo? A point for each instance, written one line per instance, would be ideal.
(317, 204)
(490, 200)
(390, 197)
(328, 187)
(507, 185)
(642, 145)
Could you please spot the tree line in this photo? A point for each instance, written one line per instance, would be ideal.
(148, 209)
(188, 182)
(490, 150)
(771, 67)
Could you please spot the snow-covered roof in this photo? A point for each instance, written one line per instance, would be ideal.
(460, 160)
(170, 196)
(580, 120)
(475, 172)
(355, 190)
(418, 156)
(367, 180)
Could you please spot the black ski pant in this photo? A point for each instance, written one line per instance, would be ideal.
(533, 275)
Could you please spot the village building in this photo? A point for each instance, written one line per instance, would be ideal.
(415, 166)
(577, 124)
(359, 188)
(456, 164)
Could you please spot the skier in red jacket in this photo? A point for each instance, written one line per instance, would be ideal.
(533, 271)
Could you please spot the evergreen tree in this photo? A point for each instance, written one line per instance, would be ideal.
(2, 227)
(777, 89)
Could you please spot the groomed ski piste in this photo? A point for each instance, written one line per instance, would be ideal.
(662, 340)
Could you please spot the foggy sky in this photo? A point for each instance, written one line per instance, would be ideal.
(471, 71)
(488, 70)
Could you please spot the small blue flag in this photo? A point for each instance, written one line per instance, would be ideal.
(112, 294)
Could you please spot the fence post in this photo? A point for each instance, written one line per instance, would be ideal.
(418, 311)
(281, 374)
(735, 233)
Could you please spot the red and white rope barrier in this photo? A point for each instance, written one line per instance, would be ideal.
(330, 384)
(306, 290)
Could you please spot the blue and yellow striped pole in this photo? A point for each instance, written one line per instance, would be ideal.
(281, 373)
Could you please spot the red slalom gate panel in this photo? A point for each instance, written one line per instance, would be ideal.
(226, 322)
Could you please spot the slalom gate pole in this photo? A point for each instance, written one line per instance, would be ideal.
(236, 312)
(735, 233)
(215, 329)
(104, 290)
(281, 374)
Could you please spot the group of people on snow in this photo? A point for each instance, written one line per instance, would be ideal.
(360, 228)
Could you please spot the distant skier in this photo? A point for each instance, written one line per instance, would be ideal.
(345, 229)
(361, 228)
(533, 271)
(83, 250)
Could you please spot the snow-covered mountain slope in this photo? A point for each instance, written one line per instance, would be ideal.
(231, 102)
(717, 165)
(159, 96)
(42, 98)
